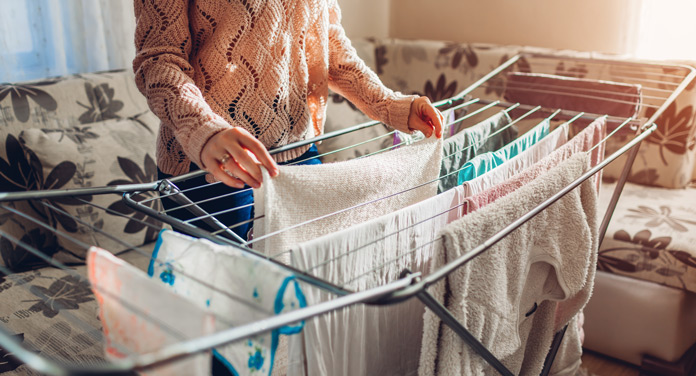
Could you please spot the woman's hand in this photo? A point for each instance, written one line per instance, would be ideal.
(233, 157)
(425, 117)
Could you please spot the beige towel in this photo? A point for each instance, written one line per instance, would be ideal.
(303, 193)
(507, 296)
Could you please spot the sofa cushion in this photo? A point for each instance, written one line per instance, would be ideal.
(652, 235)
(53, 312)
(115, 152)
(72, 106)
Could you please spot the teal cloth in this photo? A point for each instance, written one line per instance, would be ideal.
(488, 135)
(488, 161)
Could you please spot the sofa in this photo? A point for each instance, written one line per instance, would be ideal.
(95, 129)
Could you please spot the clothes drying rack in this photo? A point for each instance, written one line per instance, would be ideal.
(666, 82)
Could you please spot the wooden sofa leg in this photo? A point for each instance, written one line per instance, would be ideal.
(686, 366)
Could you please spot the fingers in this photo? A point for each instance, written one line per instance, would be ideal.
(433, 117)
(216, 170)
(420, 125)
(256, 147)
(242, 165)
(234, 157)
(241, 171)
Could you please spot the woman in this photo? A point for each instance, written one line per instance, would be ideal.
(232, 78)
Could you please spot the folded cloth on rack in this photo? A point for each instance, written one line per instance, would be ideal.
(369, 340)
(488, 135)
(576, 94)
(488, 161)
(525, 159)
(305, 202)
(140, 316)
(582, 142)
(248, 289)
(507, 297)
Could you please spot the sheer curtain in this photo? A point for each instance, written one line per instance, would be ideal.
(44, 38)
(666, 30)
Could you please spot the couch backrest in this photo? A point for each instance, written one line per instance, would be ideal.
(70, 132)
(441, 69)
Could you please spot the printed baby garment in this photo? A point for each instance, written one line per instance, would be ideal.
(249, 288)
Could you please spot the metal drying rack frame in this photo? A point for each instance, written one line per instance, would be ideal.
(408, 286)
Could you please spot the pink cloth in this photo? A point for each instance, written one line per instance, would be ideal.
(140, 316)
(582, 142)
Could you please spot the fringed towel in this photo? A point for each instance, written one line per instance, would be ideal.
(380, 184)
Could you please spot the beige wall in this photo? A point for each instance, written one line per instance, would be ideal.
(587, 25)
(365, 18)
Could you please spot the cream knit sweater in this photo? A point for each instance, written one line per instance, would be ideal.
(264, 65)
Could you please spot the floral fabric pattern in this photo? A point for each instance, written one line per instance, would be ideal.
(652, 236)
(71, 108)
(114, 150)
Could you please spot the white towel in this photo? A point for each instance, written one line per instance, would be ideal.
(511, 290)
(128, 330)
(304, 193)
(363, 340)
(251, 289)
(530, 156)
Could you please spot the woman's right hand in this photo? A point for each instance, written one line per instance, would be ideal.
(233, 157)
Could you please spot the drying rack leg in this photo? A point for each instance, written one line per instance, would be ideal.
(551, 356)
(446, 316)
(168, 188)
(619, 188)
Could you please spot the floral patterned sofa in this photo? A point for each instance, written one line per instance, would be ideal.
(95, 129)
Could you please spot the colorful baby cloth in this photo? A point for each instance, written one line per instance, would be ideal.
(248, 288)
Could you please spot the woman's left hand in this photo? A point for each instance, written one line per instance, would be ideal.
(425, 117)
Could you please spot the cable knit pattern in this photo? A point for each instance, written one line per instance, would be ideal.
(264, 65)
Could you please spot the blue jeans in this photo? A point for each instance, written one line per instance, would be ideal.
(241, 197)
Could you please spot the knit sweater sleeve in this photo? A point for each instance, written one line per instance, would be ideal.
(353, 79)
(164, 75)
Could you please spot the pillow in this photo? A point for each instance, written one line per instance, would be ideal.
(115, 152)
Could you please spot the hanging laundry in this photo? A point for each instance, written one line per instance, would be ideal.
(535, 153)
(362, 339)
(140, 316)
(486, 136)
(488, 161)
(253, 289)
(511, 308)
(582, 142)
(380, 184)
